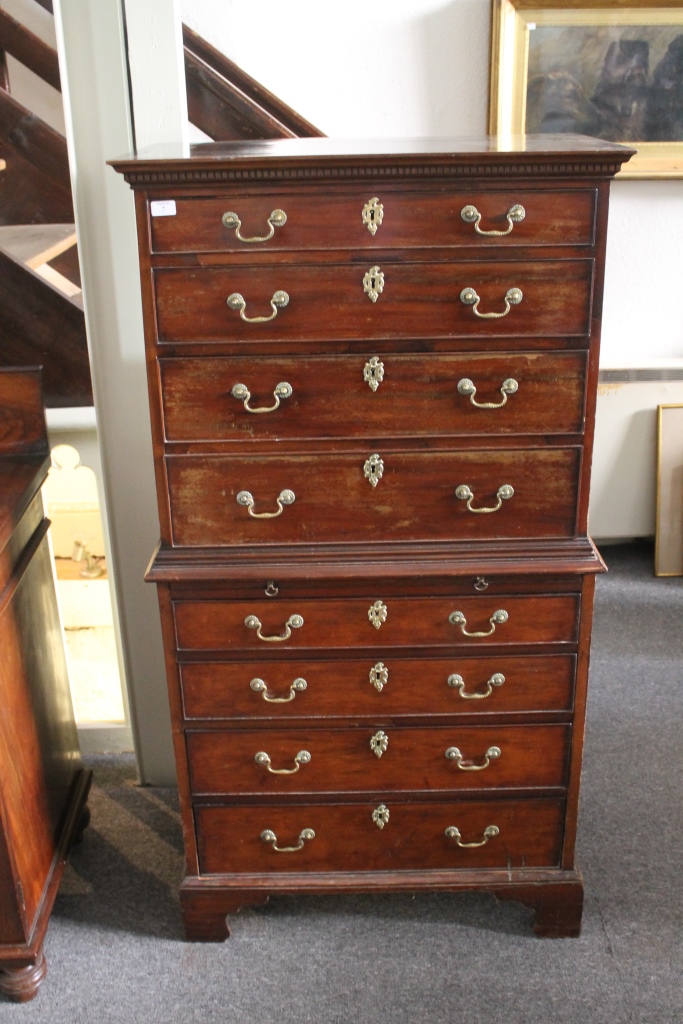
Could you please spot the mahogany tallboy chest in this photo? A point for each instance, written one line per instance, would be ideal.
(372, 373)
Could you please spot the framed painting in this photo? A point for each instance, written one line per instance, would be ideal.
(607, 69)
(669, 528)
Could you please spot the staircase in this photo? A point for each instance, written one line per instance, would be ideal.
(41, 308)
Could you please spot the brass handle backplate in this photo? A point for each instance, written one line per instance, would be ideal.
(246, 498)
(303, 757)
(454, 833)
(277, 219)
(465, 763)
(268, 836)
(279, 300)
(466, 387)
(465, 493)
(458, 683)
(497, 619)
(469, 297)
(471, 215)
(259, 686)
(293, 622)
(283, 390)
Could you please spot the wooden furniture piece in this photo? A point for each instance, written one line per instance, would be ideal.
(43, 786)
(372, 374)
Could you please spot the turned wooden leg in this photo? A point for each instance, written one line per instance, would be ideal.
(205, 914)
(22, 983)
(558, 907)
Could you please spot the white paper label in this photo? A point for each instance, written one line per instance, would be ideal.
(163, 208)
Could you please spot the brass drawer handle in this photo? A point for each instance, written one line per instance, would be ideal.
(279, 301)
(497, 619)
(453, 754)
(464, 492)
(454, 833)
(466, 387)
(303, 757)
(469, 297)
(246, 498)
(259, 686)
(283, 390)
(458, 683)
(471, 215)
(293, 622)
(277, 219)
(268, 836)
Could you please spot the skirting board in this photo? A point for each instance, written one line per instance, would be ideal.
(105, 738)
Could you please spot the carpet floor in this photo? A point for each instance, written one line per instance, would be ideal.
(115, 950)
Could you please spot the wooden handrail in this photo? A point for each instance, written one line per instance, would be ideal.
(227, 103)
(29, 50)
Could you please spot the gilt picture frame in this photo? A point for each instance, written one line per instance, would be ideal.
(669, 522)
(609, 69)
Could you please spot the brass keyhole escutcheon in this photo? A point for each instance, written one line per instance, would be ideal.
(373, 283)
(373, 215)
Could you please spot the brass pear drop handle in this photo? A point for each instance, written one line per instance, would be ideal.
(453, 754)
(268, 836)
(259, 686)
(242, 393)
(279, 300)
(497, 619)
(454, 833)
(246, 498)
(293, 622)
(464, 493)
(277, 219)
(458, 683)
(466, 387)
(303, 757)
(469, 297)
(471, 215)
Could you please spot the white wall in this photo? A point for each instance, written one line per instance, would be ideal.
(420, 67)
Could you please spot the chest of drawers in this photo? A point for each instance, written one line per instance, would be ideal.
(372, 375)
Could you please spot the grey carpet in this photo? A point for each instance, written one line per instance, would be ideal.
(115, 952)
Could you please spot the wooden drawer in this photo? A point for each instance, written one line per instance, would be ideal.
(331, 397)
(408, 622)
(419, 300)
(342, 760)
(379, 688)
(530, 834)
(333, 500)
(408, 219)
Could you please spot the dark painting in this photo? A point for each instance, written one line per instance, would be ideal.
(622, 83)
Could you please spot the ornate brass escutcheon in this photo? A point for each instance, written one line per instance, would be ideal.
(262, 758)
(464, 493)
(277, 219)
(458, 683)
(279, 300)
(379, 676)
(497, 619)
(242, 393)
(508, 387)
(373, 215)
(268, 836)
(465, 764)
(379, 743)
(469, 297)
(293, 622)
(381, 816)
(454, 833)
(246, 498)
(377, 613)
(373, 283)
(471, 215)
(259, 686)
(373, 372)
(373, 469)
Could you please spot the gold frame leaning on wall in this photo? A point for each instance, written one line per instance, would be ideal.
(609, 69)
(669, 523)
